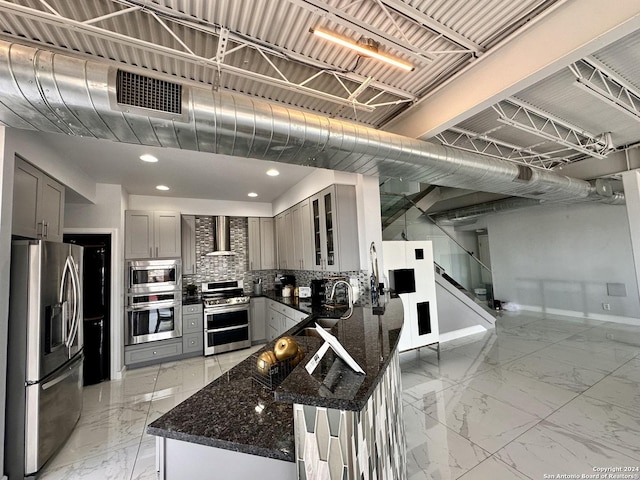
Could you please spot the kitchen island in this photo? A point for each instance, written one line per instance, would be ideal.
(331, 424)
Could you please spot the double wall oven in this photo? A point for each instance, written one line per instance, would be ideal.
(226, 317)
(154, 300)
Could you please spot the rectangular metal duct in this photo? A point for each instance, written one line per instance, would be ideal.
(75, 98)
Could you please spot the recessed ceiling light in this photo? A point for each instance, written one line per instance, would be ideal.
(273, 172)
(162, 187)
(148, 158)
(252, 194)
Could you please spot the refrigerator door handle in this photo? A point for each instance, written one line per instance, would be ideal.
(75, 284)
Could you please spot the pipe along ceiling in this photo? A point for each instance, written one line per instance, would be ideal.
(58, 93)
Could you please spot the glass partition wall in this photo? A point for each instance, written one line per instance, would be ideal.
(455, 253)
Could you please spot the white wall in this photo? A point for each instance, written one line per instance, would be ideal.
(27, 144)
(310, 185)
(560, 259)
(6, 205)
(197, 206)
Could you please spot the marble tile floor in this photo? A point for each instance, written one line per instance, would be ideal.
(539, 395)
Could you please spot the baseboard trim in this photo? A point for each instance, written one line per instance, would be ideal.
(463, 332)
(590, 315)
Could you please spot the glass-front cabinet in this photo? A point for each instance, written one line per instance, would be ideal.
(335, 229)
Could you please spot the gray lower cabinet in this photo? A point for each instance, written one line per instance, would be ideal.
(258, 320)
(193, 343)
(281, 318)
(153, 352)
(192, 330)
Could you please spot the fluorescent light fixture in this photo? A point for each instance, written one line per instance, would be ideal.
(360, 49)
(272, 172)
(162, 187)
(148, 158)
(252, 194)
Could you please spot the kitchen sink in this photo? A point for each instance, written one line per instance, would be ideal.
(309, 330)
(326, 322)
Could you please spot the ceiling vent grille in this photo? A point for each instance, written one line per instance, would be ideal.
(145, 92)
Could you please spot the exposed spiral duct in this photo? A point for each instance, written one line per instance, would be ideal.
(50, 92)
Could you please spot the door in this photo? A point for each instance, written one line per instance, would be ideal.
(307, 234)
(38, 203)
(138, 234)
(328, 201)
(317, 233)
(167, 234)
(53, 408)
(282, 241)
(254, 243)
(52, 209)
(188, 244)
(154, 321)
(27, 183)
(267, 244)
(54, 325)
(96, 302)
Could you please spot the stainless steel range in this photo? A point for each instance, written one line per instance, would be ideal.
(226, 317)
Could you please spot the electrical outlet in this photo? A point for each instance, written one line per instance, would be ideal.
(606, 306)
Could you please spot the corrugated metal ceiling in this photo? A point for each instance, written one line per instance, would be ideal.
(283, 26)
(440, 37)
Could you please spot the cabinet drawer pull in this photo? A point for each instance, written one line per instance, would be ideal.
(155, 353)
(46, 228)
(150, 251)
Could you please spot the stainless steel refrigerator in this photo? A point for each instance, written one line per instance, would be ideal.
(44, 374)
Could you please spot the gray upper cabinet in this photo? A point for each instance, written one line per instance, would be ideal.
(38, 204)
(335, 229)
(254, 243)
(321, 232)
(152, 234)
(302, 235)
(283, 240)
(267, 243)
(262, 243)
(188, 244)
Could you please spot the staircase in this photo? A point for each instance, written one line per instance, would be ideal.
(460, 312)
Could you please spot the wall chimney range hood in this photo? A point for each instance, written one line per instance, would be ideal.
(221, 236)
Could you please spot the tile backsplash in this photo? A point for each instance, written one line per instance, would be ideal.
(234, 267)
(223, 267)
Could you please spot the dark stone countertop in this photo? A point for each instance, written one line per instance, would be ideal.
(235, 412)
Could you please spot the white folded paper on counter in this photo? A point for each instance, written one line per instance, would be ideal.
(336, 346)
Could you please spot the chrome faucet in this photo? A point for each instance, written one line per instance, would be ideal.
(349, 296)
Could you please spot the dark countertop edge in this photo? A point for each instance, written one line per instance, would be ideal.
(223, 444)
(314, 401)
